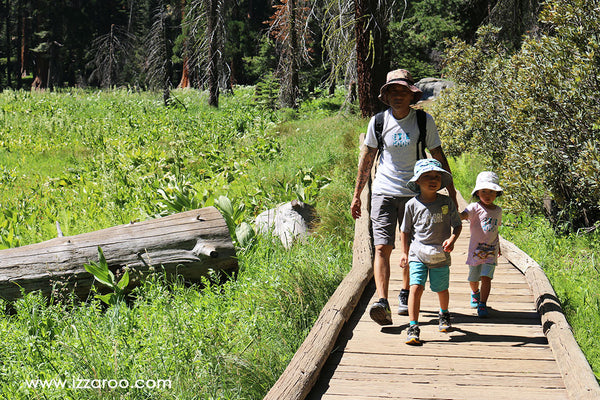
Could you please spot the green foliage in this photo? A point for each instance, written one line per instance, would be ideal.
(105, 276)
(267, 92)
(92, 160)
(417, 41)
(533, 115)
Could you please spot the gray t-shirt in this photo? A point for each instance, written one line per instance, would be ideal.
(429, 224)
(397, 161)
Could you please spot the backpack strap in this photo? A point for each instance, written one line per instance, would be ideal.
(422, 122)
(379, 120)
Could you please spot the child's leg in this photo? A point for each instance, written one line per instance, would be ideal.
(444, 297)
(474, 277)
(474, 286)
(486, 286)
(418, 277)
(439, 279)
(414, 302)
(487, 274)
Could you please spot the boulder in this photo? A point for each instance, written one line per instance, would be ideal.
(289, 221)
(432, 87)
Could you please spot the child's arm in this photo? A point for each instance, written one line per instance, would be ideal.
(404, 246)
(448, 244)
(464, 215)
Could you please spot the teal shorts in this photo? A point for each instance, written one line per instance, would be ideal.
(439, 278)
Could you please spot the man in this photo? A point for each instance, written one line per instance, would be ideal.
(390, 193)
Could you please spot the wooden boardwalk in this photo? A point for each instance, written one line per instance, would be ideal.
(505, 356)
(524, 349)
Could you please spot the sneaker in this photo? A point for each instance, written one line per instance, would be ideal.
(445, 324)
(380, 312)
(403, 302)
(413, 335)
(482, 310)
(475, 299)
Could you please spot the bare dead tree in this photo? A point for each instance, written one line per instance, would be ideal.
(338, 42)
(111, 51)
(206, 27)
(288, 26)
(158, 66)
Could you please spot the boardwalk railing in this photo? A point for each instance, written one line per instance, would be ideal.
(579, 379)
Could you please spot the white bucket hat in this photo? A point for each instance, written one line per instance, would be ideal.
(487, 180)
(426, 165)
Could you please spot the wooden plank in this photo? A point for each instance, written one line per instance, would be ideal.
(186, 244)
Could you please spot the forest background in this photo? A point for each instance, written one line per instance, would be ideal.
(525, 103)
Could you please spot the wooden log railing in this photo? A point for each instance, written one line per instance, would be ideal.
(577, 374)
(186, 244)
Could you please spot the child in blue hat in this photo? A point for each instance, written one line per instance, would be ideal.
(429, 230)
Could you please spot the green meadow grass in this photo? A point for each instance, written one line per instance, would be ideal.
(96, 159)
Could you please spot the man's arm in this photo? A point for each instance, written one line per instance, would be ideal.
(439, 155)
(365, 163)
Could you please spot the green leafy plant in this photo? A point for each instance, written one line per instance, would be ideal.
(105, 276)
(241, 231)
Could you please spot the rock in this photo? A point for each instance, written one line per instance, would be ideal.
(432, 87)
(289, 221)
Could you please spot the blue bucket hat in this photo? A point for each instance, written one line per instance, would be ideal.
(426, 165)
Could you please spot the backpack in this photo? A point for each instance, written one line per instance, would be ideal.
(421, 122)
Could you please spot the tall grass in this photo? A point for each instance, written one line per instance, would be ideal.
(122, 156)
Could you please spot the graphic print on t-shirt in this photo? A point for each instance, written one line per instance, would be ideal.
(484, 250)
(401, 139)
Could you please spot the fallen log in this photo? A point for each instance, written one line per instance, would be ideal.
(188, 244)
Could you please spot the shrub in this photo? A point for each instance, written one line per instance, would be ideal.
(534, 116)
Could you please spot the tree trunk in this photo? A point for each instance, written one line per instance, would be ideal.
(22, 45)
(213, 55)
(371, 63)
(185, 75)
(289, 87)
(185, 72)
(187, 244)
(40, 81)
(8, 84)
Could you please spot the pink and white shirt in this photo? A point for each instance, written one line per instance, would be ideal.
(484, 244)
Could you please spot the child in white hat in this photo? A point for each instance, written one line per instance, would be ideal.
(485, 217)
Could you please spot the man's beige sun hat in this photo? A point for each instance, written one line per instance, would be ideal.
(400, 77)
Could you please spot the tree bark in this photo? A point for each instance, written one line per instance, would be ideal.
(371, 62)
(188, 244)
(213, 55)
(7, 8)
(185, 71)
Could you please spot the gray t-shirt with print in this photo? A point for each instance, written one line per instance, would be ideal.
(429, 225)
(397, 161)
